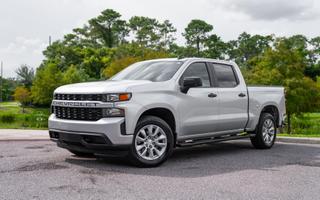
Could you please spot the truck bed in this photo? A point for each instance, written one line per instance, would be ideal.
(259, 96)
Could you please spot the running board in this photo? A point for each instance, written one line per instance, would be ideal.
(192, 142)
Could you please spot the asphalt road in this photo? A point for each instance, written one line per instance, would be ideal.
(231, 170)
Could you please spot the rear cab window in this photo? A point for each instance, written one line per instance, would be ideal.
(224, 75)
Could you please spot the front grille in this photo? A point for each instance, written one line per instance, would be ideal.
(79, 97)
(87, 114)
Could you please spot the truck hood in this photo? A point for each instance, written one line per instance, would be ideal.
(99, 87)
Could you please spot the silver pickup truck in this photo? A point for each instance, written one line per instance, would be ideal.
(151, 107)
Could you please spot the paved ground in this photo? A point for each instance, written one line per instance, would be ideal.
(23, 134)
(231, 170)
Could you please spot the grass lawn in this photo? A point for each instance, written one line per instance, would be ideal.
(11, 116)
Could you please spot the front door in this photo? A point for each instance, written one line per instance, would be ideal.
(198, 108)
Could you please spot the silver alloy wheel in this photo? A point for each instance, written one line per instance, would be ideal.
(151, 142)
(268, 131)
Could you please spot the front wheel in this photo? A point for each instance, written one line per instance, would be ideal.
(152, 143)
(265, 133)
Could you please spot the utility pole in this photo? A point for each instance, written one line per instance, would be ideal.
(49, 40)
(1, 82)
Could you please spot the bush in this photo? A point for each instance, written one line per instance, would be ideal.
(7, 118)
(22, 95)
(35, 120)
(47, 79)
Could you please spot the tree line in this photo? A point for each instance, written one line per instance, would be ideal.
(107, 43)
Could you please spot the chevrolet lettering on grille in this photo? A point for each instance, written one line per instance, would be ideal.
(78, 104)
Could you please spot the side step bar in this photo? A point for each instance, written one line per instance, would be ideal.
(199, 141)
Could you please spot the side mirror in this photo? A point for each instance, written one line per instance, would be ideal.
(190, 82)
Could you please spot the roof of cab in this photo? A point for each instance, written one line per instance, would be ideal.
(191, 59)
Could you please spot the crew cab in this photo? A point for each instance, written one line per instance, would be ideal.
(154, 106)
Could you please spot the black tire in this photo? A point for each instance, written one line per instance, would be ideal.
(151, 120)
(81, 154)
(258, 140)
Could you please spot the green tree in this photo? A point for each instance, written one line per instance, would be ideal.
(91, 59)
(145, 30)
(74, 75)
(22, 95)
(95, 60)
(196, 33)
(216, 48)
(167, 31)
(247, 47)
(284, 65)
(81, 37)
(301, 44)
(47, 79)
(8, 87)
(109, 28)
(63, 55)
(182, 51)
(313, 70)
(25, 75)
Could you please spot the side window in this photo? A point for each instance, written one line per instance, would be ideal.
(198, 70)
(225, 75)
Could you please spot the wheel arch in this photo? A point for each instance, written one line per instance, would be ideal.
(273, 110)
(165, 114)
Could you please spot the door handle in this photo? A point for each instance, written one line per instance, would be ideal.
(212, 95)
(242, 95)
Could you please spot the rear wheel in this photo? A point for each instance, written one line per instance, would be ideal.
(152, 142)
(265, 134)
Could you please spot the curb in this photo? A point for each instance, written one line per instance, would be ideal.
(298, 140)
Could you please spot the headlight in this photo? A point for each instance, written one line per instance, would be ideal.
(116, 97)
(112, 112)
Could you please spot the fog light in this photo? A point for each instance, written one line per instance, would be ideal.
(112, 112)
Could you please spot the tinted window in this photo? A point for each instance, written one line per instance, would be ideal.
(198, 70)
(153, 71)
(225, 75)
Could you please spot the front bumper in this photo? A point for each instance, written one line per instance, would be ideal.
(106, 133)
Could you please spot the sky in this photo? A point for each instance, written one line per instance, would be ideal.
(25, 26)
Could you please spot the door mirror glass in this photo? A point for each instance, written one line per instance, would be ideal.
(190, 82)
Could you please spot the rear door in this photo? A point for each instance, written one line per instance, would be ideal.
(233, 99)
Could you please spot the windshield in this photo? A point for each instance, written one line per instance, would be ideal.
(155, 71)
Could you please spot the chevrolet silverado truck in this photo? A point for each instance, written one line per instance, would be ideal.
(152, 107)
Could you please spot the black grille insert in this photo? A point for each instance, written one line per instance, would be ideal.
(79, 97)
(88, 114)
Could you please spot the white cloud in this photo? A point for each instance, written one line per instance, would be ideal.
(28, 41)
(21, 51)
(273, 9)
